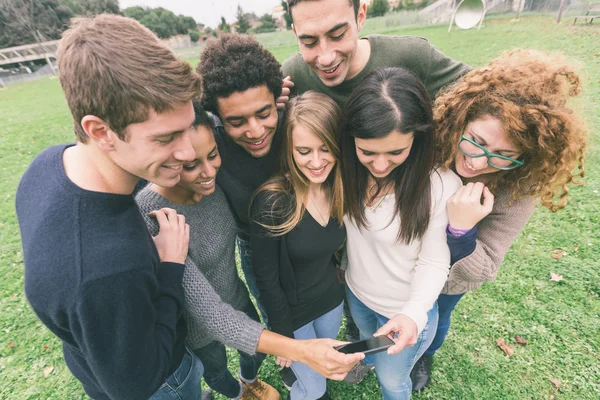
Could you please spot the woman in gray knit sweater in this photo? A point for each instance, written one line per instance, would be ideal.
(509, 131)
(212, 253)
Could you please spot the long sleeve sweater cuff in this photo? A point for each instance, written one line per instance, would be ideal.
(415, 312)
(248, 339)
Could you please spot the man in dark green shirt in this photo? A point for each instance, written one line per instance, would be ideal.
(333, 60)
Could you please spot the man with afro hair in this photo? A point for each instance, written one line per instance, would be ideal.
(241, 81)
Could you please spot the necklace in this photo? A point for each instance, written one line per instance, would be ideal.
(324, 223)
(377, 206)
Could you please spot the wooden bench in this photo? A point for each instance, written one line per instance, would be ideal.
(592, 11)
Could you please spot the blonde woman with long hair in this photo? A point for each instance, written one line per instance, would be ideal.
(297, 227)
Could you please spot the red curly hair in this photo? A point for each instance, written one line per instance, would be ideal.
(529, 93)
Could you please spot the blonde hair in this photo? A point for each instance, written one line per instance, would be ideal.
(114, 68)
(320, 115)
(530, 93)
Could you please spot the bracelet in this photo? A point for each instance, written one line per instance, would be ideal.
(457, 232)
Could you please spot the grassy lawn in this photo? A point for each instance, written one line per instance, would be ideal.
(559, 320)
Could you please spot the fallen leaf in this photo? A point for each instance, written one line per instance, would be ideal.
(48, 371)
(558, 254)
(577, 248)
(555, 382)
(11, 345)
(520, 340)
(507, 349)
(555, 277)
(13, 295)
(44, 347)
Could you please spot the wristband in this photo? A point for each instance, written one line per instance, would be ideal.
(457, 232)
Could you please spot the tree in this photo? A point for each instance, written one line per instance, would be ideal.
(378, 8)
(286, 16)
(137, 12)
(92, 7)
(267, 24)
(243, 25)
(223, 26)
(31, 21)
(194, 36)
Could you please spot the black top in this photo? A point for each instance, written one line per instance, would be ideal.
(295, 273)
(241, 174)
(94, 278)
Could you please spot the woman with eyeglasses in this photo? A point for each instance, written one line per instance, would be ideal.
(509, 131)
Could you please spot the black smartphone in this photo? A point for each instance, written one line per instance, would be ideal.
(369, 346)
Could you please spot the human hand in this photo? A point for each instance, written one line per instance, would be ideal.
(341, 275)
(406, 329)
(173, 236)
(465, 209)
(286, 87)
(320, 355)
(283, 362)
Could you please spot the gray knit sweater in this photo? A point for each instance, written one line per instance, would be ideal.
(496, 233)
(210, 281)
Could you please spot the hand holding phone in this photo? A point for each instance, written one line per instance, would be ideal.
(405, 329)
(369, 346)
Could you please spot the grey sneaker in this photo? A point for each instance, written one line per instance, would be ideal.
(358, 373)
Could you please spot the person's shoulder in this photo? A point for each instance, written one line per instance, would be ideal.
(445, 182)
(399, 43)
(293, 65)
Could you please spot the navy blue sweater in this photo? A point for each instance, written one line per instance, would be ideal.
(94, 278)
(461, 246)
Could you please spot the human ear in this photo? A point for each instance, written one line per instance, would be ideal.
(99, 132)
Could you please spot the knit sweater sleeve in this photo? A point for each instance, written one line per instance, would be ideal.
(223, 322)
(130, 360)
(431, 270)
(442, 70)
(265, 263)
(202, 303)
(496, 234)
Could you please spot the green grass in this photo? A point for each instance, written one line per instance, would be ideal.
(560, 320)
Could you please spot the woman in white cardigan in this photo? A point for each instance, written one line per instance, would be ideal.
(397, 256)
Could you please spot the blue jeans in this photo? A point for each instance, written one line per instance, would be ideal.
(245, 251)
(446, 304)
(310, 385)
(184, 383)
(393, 371)
(214, 360)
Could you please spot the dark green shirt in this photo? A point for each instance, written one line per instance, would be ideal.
(411, 52)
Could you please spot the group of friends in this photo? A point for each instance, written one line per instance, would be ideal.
(380, 180)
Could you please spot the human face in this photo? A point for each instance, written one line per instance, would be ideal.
(198, 176)
(382, 155)
(250, 119)
(311, 155)
(156, 149)
(488, 132)
(327, 34)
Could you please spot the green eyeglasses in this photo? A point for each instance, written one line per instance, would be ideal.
(498, 161)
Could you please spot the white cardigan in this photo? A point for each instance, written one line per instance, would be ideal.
(393, 277)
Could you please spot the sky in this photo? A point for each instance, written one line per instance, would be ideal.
(208, 12)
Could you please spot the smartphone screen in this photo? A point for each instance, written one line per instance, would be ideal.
(371, 345)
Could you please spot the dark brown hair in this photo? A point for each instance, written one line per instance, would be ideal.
(388, 100)
(235, 63)
(117, 70)
(354, 3)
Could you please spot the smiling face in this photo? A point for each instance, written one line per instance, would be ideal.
(311, 156)
(198, 176)
(488, 132)
(327, 34)
(157, 148)
(382, 155)
(250, 119)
